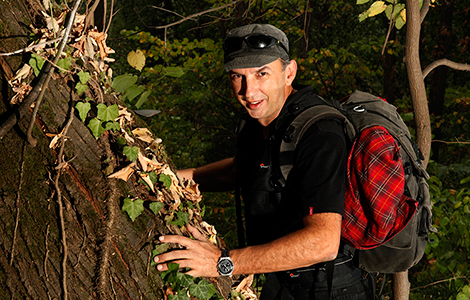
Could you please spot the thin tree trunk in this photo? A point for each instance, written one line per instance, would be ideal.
(401, 285)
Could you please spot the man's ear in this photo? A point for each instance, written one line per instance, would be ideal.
(291, 72)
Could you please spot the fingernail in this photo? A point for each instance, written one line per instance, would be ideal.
(155, 259)
(161, 238)
(159, 267)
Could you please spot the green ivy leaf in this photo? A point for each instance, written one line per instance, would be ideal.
(36, 62)
(156, 206)
(185, 279)
(114, 126)
(131, 152)
(142, 99)
(107, 113)
(96, 129)
(64, 63)
(83, 76)
(133, 207)
(80, 88)
(123, 82)
(166, 180)
(182, 218)
(83, 109)
(359, 2)
(159, 249)
(200, 290)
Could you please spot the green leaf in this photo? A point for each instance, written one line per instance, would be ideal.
(156, 206)
(107, 113)
(376, 8)
(83, 76)
(200, 290)
(133, 91)
(83, 109)
(173, 71)
(159, 249)
(142, 99)
(114, 126)
(359, 2)
(96, 129)
(123, 82)
(153, 177)
(36, 62)
(166, 180)
(363, 16)
(133, 207)
(182, 218)
(131, 152)
(64, 63)
(81, 88)
(185, 279)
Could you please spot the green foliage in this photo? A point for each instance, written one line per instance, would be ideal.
(394, 11)
(133, 207)
(447, 257)
(36, 62)
(165, 179)
(104, 119)
(131, 152)
(181, 284)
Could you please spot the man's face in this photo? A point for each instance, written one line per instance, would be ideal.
(263, 91)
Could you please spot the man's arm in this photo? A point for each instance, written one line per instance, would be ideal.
(317, 242)
(214, 177)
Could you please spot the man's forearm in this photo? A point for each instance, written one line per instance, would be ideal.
(317, 242)
(217, 176)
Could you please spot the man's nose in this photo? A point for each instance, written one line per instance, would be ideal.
(250, 88)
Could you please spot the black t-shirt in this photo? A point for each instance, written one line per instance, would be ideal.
(315, 184)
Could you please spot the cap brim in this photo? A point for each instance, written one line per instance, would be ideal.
(251, 61)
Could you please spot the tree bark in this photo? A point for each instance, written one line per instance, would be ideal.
(62, 232)
(401, 285)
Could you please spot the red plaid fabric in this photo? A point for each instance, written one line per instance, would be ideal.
(375, 207)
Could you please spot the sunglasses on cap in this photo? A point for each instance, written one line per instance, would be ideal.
(254, 41)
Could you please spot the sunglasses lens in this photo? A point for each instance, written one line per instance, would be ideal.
(259, 41)
(233, 44)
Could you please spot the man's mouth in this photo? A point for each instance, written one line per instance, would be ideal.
(254, 104)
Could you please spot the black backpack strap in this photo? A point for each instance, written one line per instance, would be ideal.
(300, 125)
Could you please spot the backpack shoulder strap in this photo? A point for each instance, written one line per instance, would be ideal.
(300, 125)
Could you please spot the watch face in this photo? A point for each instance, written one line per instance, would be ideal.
(225, 266)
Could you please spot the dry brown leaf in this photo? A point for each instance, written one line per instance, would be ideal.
(125, 173)
(147, 164)
(143, 134)
(146, 178)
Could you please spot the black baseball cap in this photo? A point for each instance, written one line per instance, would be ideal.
(253, 46)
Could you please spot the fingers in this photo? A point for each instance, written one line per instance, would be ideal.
(195, 233)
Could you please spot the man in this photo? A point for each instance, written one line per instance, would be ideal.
(293, 227)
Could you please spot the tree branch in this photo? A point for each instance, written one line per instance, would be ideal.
(445, 62)
(31, 139)
(424, 10)
(193, 15)
(30, 47)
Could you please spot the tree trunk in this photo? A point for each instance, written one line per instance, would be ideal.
(62, 232)
(401, 285)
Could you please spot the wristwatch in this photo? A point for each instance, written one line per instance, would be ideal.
(225, 264)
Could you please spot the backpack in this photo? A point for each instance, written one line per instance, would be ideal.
(387, 212)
